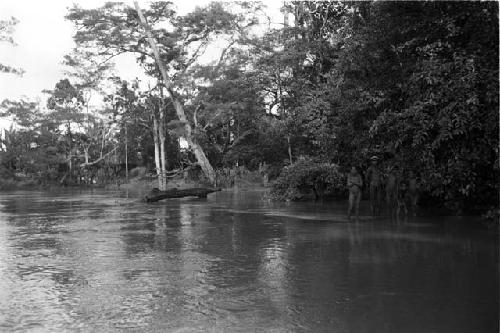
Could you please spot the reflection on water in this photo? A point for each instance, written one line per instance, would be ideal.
(95, 261)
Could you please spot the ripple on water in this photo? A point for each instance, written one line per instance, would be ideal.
(102, 262)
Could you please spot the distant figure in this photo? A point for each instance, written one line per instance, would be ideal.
(265, 179)
(402, 197)
(232, 176)
(412, 192)
(354, 184)
(101, 178)
(391, 189)
(374, 178)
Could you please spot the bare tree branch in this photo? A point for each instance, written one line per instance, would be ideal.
(99, 159)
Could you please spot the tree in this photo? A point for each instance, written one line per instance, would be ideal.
(145, 110)
(84, 132)
(6, 31)
(444, 105)
(120, 31)
(198, 151)
(415, 82)
(33, 146)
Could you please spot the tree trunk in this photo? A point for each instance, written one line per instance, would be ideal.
(198, 151)
(86, 152)
(126, 153)
(161, 136)
(163, 158)
(161, 183)
(199, 192)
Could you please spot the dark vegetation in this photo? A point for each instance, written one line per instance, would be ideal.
(415, 83)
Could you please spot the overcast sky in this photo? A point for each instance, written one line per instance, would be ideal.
(43, 37)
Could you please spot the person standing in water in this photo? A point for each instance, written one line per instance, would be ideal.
(374, 178)
(354, 184)
(391, 189)
(402, 197)
(412, 192)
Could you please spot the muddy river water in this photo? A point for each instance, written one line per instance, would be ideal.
(97, 261)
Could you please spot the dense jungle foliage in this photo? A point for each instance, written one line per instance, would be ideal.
(412, 82)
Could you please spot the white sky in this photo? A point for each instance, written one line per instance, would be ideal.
(43, 37)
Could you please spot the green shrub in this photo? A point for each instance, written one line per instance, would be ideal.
(305, 175)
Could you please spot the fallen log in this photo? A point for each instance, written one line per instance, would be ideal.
(200, 192)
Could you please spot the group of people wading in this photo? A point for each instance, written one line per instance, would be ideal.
(401, 189)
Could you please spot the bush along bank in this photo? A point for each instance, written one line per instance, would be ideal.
(306, 179)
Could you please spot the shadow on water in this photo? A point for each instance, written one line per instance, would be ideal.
(99, 261)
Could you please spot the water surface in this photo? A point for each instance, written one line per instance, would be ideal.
(96, 261)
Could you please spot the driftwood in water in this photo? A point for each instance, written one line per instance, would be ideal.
(199, 192)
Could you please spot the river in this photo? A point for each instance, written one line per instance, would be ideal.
(100, 261)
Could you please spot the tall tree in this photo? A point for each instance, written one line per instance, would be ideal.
(198, 150)
(116, 29)
(134, 108)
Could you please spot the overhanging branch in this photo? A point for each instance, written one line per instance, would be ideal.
(83, 165)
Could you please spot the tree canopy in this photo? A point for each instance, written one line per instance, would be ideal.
(6, 31)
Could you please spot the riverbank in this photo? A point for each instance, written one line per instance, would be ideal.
(11, 184)
(141, 186)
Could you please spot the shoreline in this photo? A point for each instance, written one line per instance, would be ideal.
(139, 187)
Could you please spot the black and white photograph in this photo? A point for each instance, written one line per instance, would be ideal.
(249, 166)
